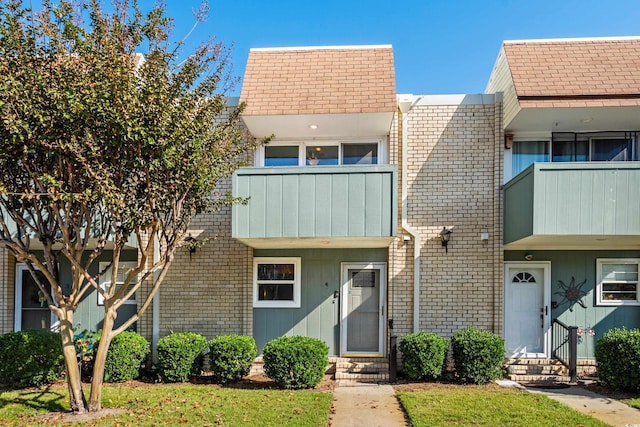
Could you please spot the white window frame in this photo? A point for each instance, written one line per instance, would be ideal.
(605, 302)
(123, 268)
(295, 303)
(302, 149)
(17, 313)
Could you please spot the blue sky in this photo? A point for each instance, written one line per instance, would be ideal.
(440, 46)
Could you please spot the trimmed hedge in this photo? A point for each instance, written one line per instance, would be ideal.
(478, 355)
(618, 357)
(423, 355)
(127, 352)
(180, 355)
(30, 358)
(295, 362)
(231, 356)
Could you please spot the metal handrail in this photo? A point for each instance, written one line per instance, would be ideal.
(565, 346)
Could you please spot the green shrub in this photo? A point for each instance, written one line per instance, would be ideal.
(231, 357)
(618, 357)
(30, 358)
(423, 355)
(180, 355)
(127, 352)
(478, 355)
(295, 362)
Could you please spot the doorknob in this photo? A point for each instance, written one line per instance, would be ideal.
(336, 294)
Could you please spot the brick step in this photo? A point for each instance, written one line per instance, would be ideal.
(364, 367)
(362, 378)
(540, 379)
(553, 362)
(537, 370)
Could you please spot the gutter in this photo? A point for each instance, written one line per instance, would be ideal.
(405, 104)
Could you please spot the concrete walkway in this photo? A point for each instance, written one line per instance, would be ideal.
(366, 406)
(603, 408)
(376, 405)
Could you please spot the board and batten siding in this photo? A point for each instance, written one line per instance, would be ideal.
(587, 315)
(321, 201)
(319, 312)
(593, 198)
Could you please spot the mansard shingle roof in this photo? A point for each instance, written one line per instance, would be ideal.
(576, 72)
(319, 80)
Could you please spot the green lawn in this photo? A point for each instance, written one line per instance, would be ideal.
(634, 403)
(449, 405)
(170, 405)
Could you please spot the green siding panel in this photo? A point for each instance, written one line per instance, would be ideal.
(319, 314)
(573, 199)
(581, 265)
(340, 201)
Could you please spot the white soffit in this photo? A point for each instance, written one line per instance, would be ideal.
(326, 125)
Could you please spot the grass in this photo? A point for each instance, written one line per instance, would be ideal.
(634, 403)
(488, 406)
(188, 404)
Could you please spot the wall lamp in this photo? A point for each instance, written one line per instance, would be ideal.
(192, 244)
(445, 235)
(508, 140)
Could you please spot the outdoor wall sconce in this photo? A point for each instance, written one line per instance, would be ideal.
(445, 235)
(192, 244)
(508, 140)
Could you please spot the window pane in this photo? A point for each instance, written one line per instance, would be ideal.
(322, 155)
(281, 155)
(525, 153)
(275, 292)
(360, 154)
(620, 272)
(619, 291)
(276, 271)
(610, 149)
(570, 151)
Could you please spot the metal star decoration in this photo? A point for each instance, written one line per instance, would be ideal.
(572, 293)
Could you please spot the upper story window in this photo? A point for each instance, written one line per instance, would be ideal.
(594, 147)
(573, 147)
(319, 154)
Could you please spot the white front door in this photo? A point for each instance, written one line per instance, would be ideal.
(362, 316)
(527, 311)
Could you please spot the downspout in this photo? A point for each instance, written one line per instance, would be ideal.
(155, 317)
(405, 104)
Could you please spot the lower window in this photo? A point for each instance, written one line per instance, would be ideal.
(276, 282)
(618, 281)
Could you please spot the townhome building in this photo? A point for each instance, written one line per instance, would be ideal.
(372, 214)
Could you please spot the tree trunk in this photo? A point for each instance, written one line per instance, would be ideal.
(95, 397)
(76, 396)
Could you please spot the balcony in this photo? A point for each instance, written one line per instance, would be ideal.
(316, 207)
(591, 205)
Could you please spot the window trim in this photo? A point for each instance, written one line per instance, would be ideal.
(17, 309)
(302, 148)
(122, 266)
(603, 302)
(297, 272)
